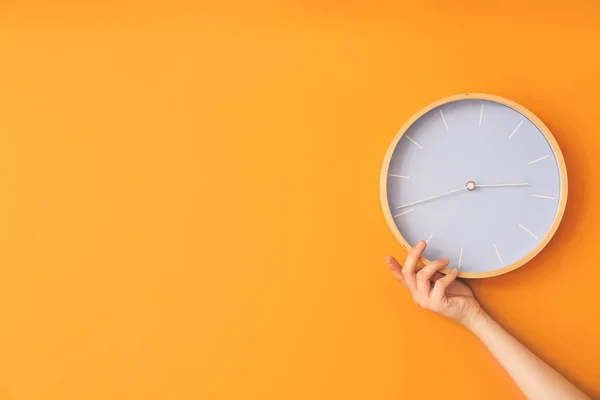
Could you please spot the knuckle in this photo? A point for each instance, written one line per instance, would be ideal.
(423, 274)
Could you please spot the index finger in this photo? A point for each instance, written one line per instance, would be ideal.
(410, 266)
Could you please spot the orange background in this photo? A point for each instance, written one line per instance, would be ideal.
(190, 208)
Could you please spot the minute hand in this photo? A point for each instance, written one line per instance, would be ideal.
(433, 197)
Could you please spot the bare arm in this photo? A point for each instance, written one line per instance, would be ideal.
(453, 299)
(535, 378)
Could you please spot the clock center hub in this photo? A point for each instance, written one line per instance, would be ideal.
(471, 186)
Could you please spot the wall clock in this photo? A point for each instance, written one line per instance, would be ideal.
(480, 179)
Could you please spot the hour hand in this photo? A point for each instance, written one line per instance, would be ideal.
(476, 185)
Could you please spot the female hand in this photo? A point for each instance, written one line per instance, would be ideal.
(453, 299)
(435, 291)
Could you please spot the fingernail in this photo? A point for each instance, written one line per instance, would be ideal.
(388, 260)
(421, 243)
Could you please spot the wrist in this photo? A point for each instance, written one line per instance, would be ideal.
(475, 319)
(478, 322)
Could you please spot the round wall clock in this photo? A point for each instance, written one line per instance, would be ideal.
(480, 179)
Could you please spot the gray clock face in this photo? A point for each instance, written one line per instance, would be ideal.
(478, 181)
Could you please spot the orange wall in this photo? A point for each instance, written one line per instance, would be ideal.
(189, 197)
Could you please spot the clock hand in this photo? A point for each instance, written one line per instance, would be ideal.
(503, 185)
(433, 197)
(470, 186)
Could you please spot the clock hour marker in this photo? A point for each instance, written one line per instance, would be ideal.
(404, 212)
(415, 143)
(429, 238)
(516, 129)
(444, 119)
(399, 176)
(498, 254)
(528, 231)
(480, 115)
(460, 258)
(542, 197)
(539, 159)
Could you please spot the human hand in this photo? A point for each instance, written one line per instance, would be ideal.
(453, 299)
(435, 291)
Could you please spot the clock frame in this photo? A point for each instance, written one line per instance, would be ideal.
(515, 106)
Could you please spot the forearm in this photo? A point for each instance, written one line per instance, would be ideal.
(536, 379)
